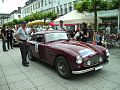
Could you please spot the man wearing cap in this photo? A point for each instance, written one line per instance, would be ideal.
(21, 36)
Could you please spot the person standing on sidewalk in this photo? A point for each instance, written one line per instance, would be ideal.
(9, 34)
(21, 36)
(3, 32)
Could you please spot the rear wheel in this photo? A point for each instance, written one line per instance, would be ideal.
(63, 68)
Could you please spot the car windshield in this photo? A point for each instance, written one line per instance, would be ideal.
(56, 36)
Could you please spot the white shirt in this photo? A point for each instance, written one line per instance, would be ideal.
(22, 34)
(59, 28)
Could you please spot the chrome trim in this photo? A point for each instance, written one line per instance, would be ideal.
(87, 70)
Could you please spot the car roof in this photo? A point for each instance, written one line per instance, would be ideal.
(51, 31)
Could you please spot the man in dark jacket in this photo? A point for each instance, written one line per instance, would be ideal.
(84, 32)
(3, 32)
(9, 34)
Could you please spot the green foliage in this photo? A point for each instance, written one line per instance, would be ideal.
(29, 18)
(20, 20)
(35, 16)
(10, 23)
(15, 21)
(90, 5)
(115, 4)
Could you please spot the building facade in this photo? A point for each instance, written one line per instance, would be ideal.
(16, 14)
(3, 17)
(60, 6)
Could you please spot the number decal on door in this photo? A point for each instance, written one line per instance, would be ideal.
(36, 47)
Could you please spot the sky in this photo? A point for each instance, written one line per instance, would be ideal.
(10, 5)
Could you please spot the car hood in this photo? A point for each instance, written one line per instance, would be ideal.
(80, 48)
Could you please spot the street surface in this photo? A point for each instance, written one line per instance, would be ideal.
(40, 76)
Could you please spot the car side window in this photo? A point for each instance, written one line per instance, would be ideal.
(33, 38)
(40, 38)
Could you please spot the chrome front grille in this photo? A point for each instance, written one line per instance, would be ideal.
(92, 61)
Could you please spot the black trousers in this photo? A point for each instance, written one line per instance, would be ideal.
(4, 44)
(9, 43)
(24, 51)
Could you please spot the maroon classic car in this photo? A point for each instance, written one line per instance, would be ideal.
(66, 55)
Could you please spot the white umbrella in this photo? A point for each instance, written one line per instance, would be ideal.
(75, 17)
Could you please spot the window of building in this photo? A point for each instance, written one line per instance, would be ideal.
(31, 8)
(61, 10)
(53, 9)
(41, 3)
(70, 6)
(27, 10)
(57, 8)
(19, 16)
(45, 2)
(38, 4)
(65, 8)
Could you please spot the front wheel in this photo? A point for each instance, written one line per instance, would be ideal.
(63, 68)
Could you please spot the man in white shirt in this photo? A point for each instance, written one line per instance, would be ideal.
(61, 26)
(22, 37)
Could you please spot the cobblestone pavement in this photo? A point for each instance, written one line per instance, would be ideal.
(40, 76)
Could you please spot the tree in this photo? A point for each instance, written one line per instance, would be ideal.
(29, 18)
(15, 21)
(91, 6)
(35, 16)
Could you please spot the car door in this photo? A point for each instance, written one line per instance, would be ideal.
(34, 46)
(39, 47)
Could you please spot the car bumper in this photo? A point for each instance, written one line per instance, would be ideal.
(95, 68)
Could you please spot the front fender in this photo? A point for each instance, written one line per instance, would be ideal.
(69, 55)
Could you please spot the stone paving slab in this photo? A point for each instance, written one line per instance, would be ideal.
(40, 76)
(21, 85)
(4, 87)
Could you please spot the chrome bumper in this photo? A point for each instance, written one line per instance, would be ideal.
(87, 70)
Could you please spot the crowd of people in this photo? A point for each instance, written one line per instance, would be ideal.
(101, 37)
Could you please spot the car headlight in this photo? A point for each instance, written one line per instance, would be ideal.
(89, 63)
(107, 53)
(79, 60)
(100, 59)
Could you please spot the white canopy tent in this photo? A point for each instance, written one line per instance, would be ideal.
(76, 17)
